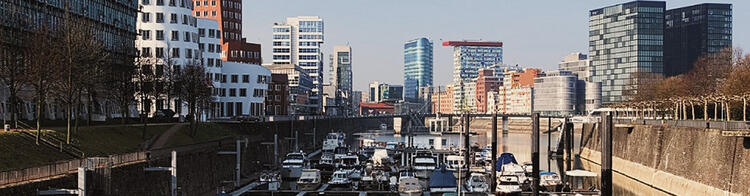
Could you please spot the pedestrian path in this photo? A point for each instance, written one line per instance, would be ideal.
(164, 137)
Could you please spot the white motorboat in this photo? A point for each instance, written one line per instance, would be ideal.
(508, 185)
(348, 161)
(409, 186)
(550, 181)
(456, 164)
(340, 178)
(333, 140)
(309, 180)
(293, 164)
(477, 183)
(424, 164)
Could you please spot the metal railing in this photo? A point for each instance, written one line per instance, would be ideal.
(701, 124)
(67, 167)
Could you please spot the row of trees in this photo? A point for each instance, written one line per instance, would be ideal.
(717, 88)
(69, 64)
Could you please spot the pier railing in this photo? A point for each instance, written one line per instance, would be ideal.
(67, 167)
(701, 124)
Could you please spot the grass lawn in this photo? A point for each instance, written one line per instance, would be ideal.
(107, 140)
(19, 152)
(206, 132)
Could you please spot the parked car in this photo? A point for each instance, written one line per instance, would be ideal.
(246, 118)
(164, 115)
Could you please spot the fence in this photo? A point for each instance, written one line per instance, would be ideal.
(67, 167)
(701, 124)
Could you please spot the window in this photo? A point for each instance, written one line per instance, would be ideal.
(245, 78)
(198, 13)
(202, 32)
(187, 37)
(175, 53)
(232, 92)
(145, 34)
(159, 35)
(218, 63)
(210, 62)
(205, 13)
(159, 17)
(171, 3)
(210, 48)
(211, 33)
(213, 3)
(218, 48)
(146, 17)
(234, 78)
(175, 35)
(197, 3)
(243, 92)
(146, 52)
(159, 52)
(223, 92)
(184, 19)
(223, 78)
(145, 2)
(159, 2)
(188, 53)
(213, 13)
(173, 18)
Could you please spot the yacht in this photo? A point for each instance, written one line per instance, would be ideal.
(424, 163)
(333, 140)
(477, 183)
(309, 180)
(507, 166)
(326, 158)
(456, 164)
(508, 185)
(272, 179)
(348, 161)
(340, 178)
(550, 181)
(409, 186)
(293, 165)
(442, 182)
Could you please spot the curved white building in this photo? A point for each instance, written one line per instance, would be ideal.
(244, 91)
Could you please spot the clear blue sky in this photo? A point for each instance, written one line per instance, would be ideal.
(534, 33)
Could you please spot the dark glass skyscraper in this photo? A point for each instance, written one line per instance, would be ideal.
(626, 47)
(693, 31)
(417, 66)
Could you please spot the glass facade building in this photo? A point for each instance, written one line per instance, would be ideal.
(417, 67)
(468, 58)
(341, 77)
(298, 42)
(694, 31)
(626, 47)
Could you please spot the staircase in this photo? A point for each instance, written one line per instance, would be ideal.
(49, 141)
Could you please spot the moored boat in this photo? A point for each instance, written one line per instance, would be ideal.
(309, 180)
(442, 182)
(409, 186)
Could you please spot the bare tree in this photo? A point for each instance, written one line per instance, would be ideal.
(195, 88)
(118, 82)
(11, 63)
(41, 60)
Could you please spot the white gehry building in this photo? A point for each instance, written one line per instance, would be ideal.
(170, 37)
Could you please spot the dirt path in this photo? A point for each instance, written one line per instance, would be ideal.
(164, 137)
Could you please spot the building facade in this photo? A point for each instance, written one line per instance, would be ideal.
(555, 93)
(468, 58)
(486, 82)
(300, 88)
(277, 101)
(114, 24)
(693, 31)
(228, 13)
(578, 64)
(442, 100)
(626, 47)
(341, 78)
(417, 67)
(245, 90)
(298, 42)
(356, 100)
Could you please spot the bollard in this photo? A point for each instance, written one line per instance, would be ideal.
(493, 183)
(606, 134)
(535, 154)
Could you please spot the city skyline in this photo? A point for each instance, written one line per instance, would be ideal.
(363, 24)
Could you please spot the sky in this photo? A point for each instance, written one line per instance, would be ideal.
(534, 33)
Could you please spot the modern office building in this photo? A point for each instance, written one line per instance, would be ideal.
(300, 85)
(382, 92)
(298, 42)
(169, 40)
(209, 45)
(356, 100)
(341, 77)
(626, 47)
(228, 13)
(578, 64)
(693, 31)
(468, 58)
(245, 90)
(417, 67)
(555, 93)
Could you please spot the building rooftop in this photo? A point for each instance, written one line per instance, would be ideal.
(473, 43)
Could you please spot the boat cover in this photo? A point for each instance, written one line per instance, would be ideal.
(505, 158)
(442, 178)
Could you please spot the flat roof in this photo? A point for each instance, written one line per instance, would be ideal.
(473, 43)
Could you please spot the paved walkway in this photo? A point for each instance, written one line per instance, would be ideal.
(164, 137)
